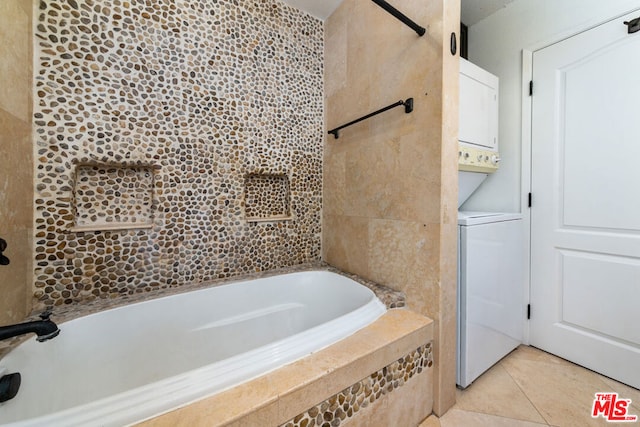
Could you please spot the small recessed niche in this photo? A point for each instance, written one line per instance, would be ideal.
(267, 197)
(108, 197)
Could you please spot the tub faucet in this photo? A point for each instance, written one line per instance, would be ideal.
(45, 329)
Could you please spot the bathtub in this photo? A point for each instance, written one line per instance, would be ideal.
(131, 363)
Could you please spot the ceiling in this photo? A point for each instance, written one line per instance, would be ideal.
(472, 11)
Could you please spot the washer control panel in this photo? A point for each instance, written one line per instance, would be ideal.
(472, 159)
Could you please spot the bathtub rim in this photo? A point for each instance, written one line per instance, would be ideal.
(391, 298)
(153, 397)
(277, 397)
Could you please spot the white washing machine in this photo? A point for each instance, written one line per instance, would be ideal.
(490, 245)
(490, 292)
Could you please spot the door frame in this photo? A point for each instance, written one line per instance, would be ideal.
(526, 138)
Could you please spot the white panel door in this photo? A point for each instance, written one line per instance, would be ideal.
(585, 218)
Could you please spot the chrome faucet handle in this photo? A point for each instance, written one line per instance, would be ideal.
(45, 315)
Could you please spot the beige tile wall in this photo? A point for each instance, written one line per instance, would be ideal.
(16, 159)
(445, 372)
(390, 183)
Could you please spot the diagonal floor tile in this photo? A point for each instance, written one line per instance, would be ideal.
(431, 421)
(561, 391)
(540, 388)
(625, 392)
(496, 393)
(459, 418)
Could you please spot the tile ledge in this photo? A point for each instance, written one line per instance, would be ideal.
(274, 218)
(109, 227)
(350, 358)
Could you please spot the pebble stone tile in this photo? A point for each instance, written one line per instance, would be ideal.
(266, 196)
(346, 404)
(203, 93)
(112, 196)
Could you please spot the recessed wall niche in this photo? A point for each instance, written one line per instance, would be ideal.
(155, 83)
(267, 197)
(108, 197)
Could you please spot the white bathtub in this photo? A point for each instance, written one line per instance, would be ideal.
(131, 363)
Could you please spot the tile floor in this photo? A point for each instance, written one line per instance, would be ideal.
(531, 388)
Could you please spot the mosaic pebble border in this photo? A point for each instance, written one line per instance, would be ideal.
(389, 297)
(346, 404)
(206, 91)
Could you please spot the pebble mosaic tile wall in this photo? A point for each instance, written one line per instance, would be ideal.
(344, 405)
(204, 92)
(112, 196)
(266, 196)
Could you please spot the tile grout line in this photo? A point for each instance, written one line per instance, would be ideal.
(502, 416)
(547, 422)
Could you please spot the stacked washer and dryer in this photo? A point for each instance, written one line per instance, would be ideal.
(490, 244)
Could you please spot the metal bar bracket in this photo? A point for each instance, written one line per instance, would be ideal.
(408, 108)
(401, 16)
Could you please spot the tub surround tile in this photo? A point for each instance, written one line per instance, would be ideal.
(371, 178)
(96, 187)
(207, 93)
(391, 298)
(239, 406)
(334, 176)
(14, 279)
(346, 245)
(16, 159)
(445, 341)
(17, 182)
(388, 296)
(350, 405)
(262, 417)
(410, 243)
(446, 115)
(400, 407)
(15, 62)
(346, 363)
(335, 65)
(296, 387)
(386, 199)
(267, 196)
